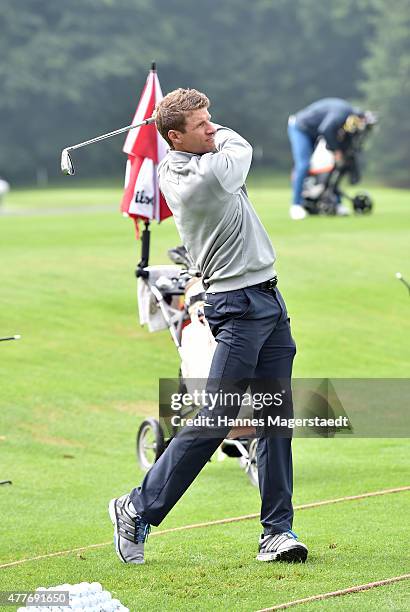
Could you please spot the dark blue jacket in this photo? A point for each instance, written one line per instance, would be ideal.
(325, 118)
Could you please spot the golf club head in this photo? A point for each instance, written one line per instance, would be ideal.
(67, 166)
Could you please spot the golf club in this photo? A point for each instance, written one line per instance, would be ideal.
(403, 280)
(4, 339)
(67, 166)
(15, 337)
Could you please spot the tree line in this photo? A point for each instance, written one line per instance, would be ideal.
(75, 69)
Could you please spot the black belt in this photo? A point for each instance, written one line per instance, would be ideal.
(268, 285)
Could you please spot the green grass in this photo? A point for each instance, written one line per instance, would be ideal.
(78, 383)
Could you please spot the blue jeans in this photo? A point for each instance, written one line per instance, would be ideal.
(252, 330)
(302, 148)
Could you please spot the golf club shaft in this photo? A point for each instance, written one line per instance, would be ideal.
(110, 134)
(17, 337)
(405, 283)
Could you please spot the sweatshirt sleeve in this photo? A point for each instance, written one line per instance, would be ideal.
(232, 159)
(329, 128)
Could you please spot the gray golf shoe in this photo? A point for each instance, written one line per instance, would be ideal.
(130, 530)
(282, 547)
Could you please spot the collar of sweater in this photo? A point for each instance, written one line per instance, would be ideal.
(177, 156)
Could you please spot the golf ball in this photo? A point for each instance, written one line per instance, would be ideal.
(84, 596)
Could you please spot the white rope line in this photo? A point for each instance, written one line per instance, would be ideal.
(224, 521)
(353, 589)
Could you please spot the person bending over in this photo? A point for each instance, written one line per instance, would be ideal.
(325, 118)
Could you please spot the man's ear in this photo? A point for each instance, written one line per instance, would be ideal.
(174, 136)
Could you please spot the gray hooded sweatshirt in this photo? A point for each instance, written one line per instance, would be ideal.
(214, 217)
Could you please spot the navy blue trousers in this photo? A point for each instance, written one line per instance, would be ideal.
(254, 342)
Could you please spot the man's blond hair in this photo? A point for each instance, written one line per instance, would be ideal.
(172, 111)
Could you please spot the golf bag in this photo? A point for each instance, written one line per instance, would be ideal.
(322, 192)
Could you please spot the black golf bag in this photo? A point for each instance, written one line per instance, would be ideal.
(322, 191)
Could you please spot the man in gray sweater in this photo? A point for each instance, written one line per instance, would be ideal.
(203, 180)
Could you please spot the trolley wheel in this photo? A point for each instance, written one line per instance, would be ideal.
(362, 204)
(252, 468)
(150, 443)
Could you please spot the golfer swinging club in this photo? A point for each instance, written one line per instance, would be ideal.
(202, 178)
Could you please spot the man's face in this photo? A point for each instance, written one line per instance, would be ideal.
(198, 136)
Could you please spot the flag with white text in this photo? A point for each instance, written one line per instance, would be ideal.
(145, 148)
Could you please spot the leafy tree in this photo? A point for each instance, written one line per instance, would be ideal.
(75, 69)
(63, 71)
(387, 91)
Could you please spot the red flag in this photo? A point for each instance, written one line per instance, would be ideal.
(145, 148)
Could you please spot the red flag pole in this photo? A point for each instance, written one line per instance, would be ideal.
(140, 270)
(146, 235)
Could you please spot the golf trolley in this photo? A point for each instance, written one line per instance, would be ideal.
(172, 297)
(322, 194)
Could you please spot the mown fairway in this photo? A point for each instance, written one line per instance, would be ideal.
(75, 388)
